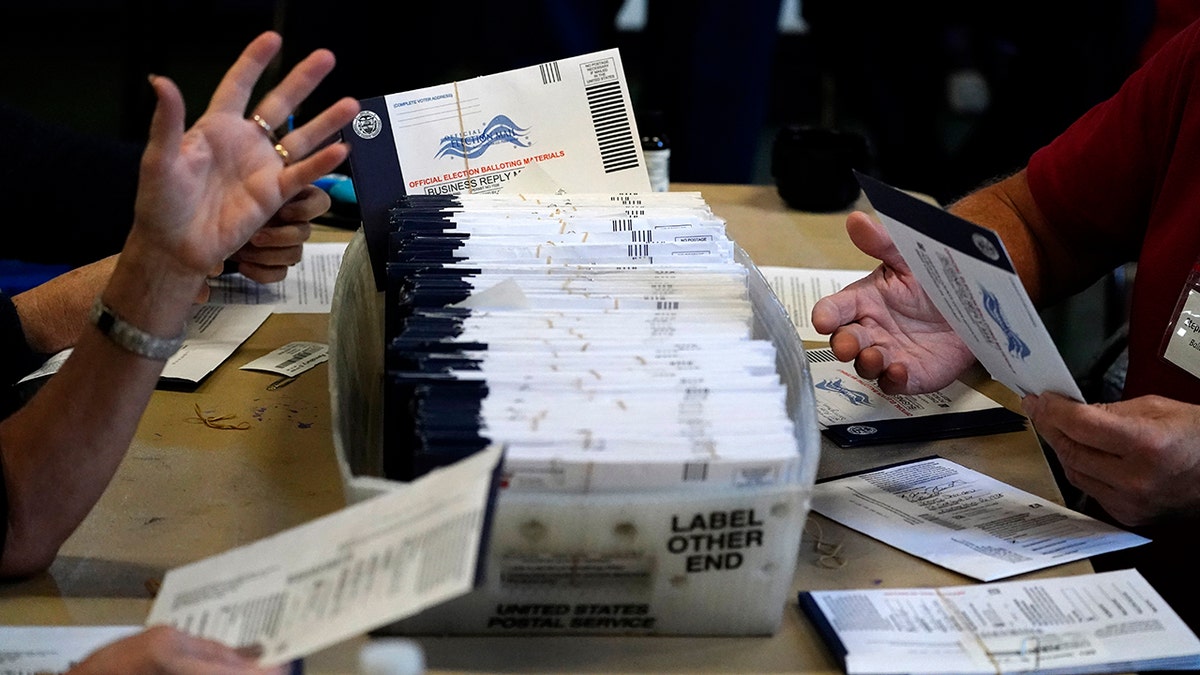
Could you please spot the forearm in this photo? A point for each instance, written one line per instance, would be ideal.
(61, 450)
(1049, 265)
(202, 193)
(1007, 207)
(53, 314)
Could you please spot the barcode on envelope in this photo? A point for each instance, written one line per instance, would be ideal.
(550, 72)
(614, 135)
(822, 355)
(298, 356)
(695, 471)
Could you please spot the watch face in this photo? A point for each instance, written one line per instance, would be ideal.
(133, 339)
(104, 321)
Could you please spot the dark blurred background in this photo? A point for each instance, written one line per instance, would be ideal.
(947, 94)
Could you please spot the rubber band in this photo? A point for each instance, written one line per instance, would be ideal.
(217, 421)
(829, 554)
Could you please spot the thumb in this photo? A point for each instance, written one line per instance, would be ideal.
(870, 236)
(1030, 405)
(166, 125)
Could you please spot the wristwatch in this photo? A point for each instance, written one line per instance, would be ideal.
(131, 338)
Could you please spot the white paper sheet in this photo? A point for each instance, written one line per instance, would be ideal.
(291, 359)
(307, 288)
(1095, 623)
(214, 332)
(964, 520)
(53, 649)
(357, 569)
(799, 288)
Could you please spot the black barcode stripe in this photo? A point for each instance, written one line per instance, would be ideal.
(258, 617)
(442, 550)
(298, 356)
(616, 137)
(550, 72)
(614, 134)
(608, 114)
(695, 471)
(822, 355)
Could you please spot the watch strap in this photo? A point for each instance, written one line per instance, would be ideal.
(131, 338)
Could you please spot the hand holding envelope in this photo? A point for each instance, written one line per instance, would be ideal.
(969, 277)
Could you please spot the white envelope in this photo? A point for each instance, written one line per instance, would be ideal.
(968, 274)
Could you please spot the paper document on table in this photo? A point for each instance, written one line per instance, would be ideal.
(307, 288)
(571, 118)
(341, 575)
(53, 649)
(964, 520)
(214, 332)
(291, 359)
(853, 411)
(799, 288)
(1113, 622)
(971, 279)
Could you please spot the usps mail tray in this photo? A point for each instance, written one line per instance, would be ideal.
(714, 561)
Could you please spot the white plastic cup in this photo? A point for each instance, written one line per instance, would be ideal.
(391, 656)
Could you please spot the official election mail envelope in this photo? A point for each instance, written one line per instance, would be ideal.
(570, 120)
(970, 278)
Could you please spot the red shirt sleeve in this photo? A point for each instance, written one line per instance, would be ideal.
(1122, 184)
(1098, 180)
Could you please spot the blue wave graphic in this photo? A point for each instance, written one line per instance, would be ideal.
(1016, 346)
(500, 130)
(854, 396)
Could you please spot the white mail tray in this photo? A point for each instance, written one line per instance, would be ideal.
(717, 561)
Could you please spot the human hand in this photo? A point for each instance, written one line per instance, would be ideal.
(886, 323)
(203, 192)
(279, 244)
(1138, 458)
(54, 313)
(163, 650)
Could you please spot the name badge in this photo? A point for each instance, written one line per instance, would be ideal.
(1181, 345)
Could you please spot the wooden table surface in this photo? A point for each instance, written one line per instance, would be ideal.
(186, 491)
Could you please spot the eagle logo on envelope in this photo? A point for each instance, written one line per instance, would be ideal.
(472, 145)
(854, 396)
(1016, 346)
